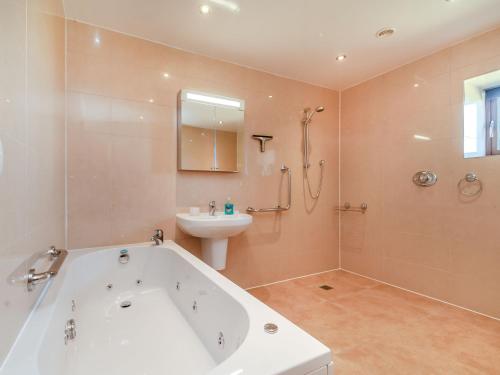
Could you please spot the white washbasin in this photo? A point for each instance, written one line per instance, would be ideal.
(214, 232)
(218, 226)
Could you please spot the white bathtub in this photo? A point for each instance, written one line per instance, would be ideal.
(184, 318)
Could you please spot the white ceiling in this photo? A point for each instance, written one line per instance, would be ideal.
(299, 39)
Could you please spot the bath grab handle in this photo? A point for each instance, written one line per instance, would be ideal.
(278, 208)
(57, 256)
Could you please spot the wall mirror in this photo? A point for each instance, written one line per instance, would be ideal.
(210, 132)
(481, 115)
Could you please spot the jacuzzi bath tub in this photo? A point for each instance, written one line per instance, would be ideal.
(163, 312)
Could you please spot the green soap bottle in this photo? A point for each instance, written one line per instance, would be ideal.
(229, 207)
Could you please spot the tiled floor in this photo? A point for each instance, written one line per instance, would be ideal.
(373, 328)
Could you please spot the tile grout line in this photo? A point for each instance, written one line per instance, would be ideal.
(339, 226)
(292, 278)
(422, 295)
(66, 214)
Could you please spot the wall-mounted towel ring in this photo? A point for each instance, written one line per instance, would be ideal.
(470, 179)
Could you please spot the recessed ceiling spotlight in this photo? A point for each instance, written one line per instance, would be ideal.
(416, 85)
(270, 96)
(385, 32)
(341, 57)
(151, 100)
(166, 75)
(221, 122)
(205, 9)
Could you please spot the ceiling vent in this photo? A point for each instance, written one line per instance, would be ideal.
(385, 32)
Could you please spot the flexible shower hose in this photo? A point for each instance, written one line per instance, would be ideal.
(315, 196)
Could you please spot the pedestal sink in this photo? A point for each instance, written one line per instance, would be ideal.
(214, 232)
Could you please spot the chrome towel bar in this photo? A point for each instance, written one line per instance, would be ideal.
(347, 207)
(278, 208)
(57, 256)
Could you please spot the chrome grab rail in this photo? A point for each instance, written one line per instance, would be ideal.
(278, 208)
(57, 256)
(347, 207)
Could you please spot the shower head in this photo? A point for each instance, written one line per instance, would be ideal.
(309, 113)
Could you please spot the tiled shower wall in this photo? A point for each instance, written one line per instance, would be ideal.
(32, 149)
(429, 240)
(122, 173)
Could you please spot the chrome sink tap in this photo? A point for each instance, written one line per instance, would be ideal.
(158, 237)
(211, 208)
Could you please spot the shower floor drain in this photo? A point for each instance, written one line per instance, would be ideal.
(326, 287)
(125, 304)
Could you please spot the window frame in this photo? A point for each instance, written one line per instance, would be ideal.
(492, 103)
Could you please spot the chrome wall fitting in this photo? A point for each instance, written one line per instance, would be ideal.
(57, 256)
(69, 331)
(469, 180)
(347, 207)
(306, 121)
(424, 178)
(262, 139)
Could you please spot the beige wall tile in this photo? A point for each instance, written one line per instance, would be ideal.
(122, 150)
(32, 135)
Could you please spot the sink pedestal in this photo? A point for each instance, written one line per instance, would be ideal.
(214, 252)
(214, 231)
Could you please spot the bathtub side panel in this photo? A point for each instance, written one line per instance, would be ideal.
(219, 320)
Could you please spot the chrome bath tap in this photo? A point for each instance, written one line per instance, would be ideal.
(158, 237)
(211, 208)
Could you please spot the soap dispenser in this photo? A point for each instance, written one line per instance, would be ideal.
(229, 207)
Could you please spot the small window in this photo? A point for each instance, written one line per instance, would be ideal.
(481, 114)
